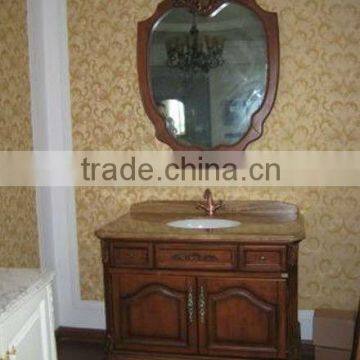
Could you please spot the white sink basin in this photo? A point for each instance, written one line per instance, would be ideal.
(204, 224)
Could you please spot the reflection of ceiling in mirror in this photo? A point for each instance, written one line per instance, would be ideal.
(242, 30)
(238, 19)
(226, 13)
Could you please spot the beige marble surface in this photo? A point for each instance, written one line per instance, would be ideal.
(260, 221)
(16, 285)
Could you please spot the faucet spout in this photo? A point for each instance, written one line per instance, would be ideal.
(209, 205)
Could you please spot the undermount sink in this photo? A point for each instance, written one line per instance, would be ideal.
(204, 224)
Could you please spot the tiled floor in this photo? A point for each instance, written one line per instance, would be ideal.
(70, 350)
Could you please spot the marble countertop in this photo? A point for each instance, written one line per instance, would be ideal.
(268, 221)
(18, 284)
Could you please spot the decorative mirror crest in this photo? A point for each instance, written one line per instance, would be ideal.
(208, 72)
(202, 7)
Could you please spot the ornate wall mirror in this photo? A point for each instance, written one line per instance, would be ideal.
(208, 72)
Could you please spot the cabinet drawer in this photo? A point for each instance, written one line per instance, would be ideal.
(262, 258)
(183, 256)
(131, 255)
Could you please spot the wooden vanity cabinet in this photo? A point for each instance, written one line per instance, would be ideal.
(188, 300)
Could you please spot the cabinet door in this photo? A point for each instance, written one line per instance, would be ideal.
(154, 313)
(242, 317)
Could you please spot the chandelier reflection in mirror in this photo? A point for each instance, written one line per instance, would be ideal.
(195, 52)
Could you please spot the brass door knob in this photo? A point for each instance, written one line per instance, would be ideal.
(202, 305)
(190, 305)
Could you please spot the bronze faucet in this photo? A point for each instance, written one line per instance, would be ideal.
(209, 206)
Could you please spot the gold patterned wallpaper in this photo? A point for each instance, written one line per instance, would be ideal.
(18, 224)
(317, 108)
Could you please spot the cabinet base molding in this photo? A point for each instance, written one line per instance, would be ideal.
(98, 336)
(148, 356)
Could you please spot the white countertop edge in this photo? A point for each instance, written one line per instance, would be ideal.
(44, 279)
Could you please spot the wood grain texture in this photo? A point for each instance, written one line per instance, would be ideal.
(144, 356)
(243, 318)
(80, 335)
(262, 258)
(138, 255)
(151, 312)
(203, 257)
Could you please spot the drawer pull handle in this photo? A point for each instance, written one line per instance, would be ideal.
(190, 305)
(202, 305)
(263, 258)
(130, 255)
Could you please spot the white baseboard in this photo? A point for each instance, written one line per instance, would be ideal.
(306, 319)
(91, 315)
(86, 315)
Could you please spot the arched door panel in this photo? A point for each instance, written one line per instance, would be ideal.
(242, 316)
(155, 313)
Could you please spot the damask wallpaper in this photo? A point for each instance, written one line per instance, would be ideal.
(317, 108)
(18, 226)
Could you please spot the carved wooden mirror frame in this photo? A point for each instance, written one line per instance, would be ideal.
(206, 7)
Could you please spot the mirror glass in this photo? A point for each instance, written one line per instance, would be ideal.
(208, 74)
